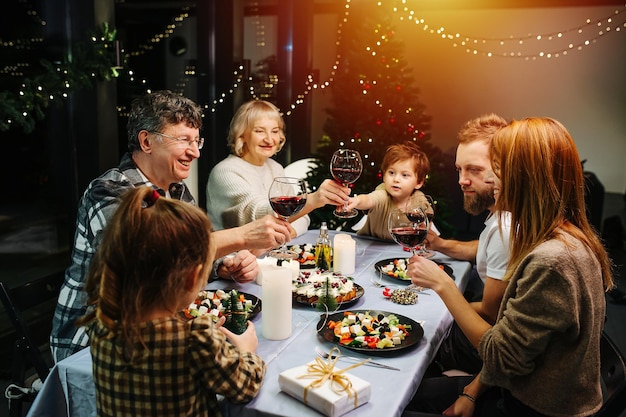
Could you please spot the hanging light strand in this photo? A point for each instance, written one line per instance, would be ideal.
(309, 83)
(543, 43)
(157, 38)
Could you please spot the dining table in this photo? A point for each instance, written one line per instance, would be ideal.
(69, 389)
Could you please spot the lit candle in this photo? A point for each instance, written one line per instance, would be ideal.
(344, 254)
(264, 263)
(276, 297)
(294, 266)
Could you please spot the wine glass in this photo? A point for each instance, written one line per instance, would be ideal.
(408, 229)
(346, 167)
(427, 205)
(430, 213)
(287, 197)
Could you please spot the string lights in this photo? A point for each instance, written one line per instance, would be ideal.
(157, 38)
(91, 60)
(527, 47)
(485, 46)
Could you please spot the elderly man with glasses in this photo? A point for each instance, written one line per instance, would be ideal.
(163, 140)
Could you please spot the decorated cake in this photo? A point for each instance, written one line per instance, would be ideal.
(309, 286)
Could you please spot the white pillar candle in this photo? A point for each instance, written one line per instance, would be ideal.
(294, 266)
(344, 254)
(268, 261)
(276, 297)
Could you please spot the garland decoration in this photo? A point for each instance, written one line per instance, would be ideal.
(98, 59)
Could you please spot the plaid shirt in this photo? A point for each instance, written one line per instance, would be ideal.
(185, 365)
(97, 205)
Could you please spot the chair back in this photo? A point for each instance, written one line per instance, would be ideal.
(613, 375)
(300, 169)
(31, 297)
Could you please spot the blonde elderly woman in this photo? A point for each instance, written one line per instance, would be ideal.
(238, 185)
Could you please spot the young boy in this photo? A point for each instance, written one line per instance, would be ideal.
(404, 170)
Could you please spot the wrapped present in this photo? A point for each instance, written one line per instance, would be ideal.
(321, 386)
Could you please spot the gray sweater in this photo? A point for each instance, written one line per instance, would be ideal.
(545, 346)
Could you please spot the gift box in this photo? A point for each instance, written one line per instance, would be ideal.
(329, 390)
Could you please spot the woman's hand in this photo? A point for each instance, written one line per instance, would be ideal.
(462, 407)
(426, 273)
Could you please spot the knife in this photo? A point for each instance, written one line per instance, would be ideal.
(370, 363)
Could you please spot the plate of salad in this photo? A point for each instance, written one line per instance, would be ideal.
(397, 267)
(370, 331)
(238, 307)
(306, 254)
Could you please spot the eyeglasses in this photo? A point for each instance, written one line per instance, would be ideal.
(182, 139)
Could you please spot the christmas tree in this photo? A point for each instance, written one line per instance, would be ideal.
(326, 301)
(375, 103)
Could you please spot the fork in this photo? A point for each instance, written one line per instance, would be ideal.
(326, 355)
(410, 287)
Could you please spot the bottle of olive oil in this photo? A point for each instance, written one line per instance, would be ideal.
(323, 249)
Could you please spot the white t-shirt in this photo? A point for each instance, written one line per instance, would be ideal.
(492, 257)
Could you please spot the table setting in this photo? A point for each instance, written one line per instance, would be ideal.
(310, 337)
(296, 335)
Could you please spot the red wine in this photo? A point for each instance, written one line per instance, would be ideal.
(430, 216)
(408, 236)
(345, 175)
(287, 206)
(415, 217)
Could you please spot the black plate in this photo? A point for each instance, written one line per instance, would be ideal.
(378, 265)
(415, 335)
(256, 303)
(359, 293)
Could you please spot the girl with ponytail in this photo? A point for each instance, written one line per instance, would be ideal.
(154, 257)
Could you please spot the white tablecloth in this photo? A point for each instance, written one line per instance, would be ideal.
(69, 389)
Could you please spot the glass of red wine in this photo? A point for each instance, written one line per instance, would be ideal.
(346, 167)
(408, 229)
(426, 205)
(287, 197)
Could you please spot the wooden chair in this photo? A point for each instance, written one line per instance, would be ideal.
(30, 308)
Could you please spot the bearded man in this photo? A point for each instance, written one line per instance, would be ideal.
(490, 252)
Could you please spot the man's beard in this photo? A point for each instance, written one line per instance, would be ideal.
(478, 202)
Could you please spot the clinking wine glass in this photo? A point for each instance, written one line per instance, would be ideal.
(346, 167)
(408, 229)
(426, 204)
(287, 197)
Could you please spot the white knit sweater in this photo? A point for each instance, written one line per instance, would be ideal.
(237, 193)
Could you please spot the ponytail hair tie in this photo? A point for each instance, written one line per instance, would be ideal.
(151, 199)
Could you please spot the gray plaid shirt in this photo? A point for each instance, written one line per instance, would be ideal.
(97, 205)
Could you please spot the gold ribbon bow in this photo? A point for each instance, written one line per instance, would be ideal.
(324, 371)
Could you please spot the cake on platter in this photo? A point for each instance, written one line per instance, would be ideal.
(309, 286)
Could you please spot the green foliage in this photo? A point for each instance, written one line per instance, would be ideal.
(375, 103)
(326, 301)
(85, 62)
